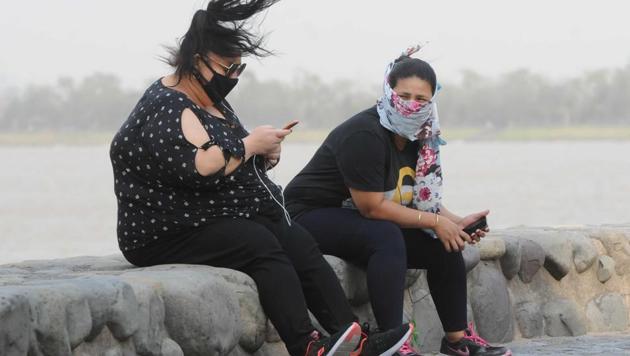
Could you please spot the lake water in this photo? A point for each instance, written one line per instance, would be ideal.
(58, 201)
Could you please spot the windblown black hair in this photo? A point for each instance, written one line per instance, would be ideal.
(406, 67)
(220, 29)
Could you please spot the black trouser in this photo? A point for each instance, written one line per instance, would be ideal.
(284, 261)
(386, 251)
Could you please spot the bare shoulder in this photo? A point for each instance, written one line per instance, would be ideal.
(192, 129)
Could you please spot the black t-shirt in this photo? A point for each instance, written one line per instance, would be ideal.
(360, 154)
(159, 191)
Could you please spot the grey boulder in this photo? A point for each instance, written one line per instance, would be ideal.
(562, 318)
(511, 260)
(584, 253)
(529, 319)
(532, 259)
(605, 268)
(490, 303)
(607, 312)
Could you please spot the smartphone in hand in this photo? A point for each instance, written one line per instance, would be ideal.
(290, 125)
(480, 224)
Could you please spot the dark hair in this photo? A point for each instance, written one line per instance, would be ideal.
(406, 67)
(219, 29)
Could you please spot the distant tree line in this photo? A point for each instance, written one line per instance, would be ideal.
(516, 99)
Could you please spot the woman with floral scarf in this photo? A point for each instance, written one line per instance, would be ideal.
(372, 195)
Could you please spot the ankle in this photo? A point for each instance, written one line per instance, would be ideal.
(454, 336)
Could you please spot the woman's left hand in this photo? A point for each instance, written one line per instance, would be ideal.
(274, 155)
(469, 219)
(273, 158)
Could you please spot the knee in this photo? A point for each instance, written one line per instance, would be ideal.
(387, 238)
(452, 260)
(264, 244)
(453, 256)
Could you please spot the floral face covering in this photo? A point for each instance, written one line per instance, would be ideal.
(415, 121)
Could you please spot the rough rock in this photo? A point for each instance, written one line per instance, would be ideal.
(252, 317)
(273, 349)
(511, 260)
(412, 276)
(271, 334)
(192, 320)
(558, 255)
(532, 259)
(599, 246)
(557, 245)
(471, 256)
(352, 279)
(605, 268)
(529, 319)
(428, 326)
(607, 312)
(15, 323)
(562, 318)
(584, 253)
(617, 245)
(491, 248)
(104, 306)
(165, 310)
(490, 303)
(170, 348)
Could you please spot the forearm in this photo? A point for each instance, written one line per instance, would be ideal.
(450, 215)
(402, 216)
(210, 161)
(235, 162)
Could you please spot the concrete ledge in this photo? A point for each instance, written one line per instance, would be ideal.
(523, 283)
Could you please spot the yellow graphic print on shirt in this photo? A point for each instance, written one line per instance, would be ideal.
(403, 193)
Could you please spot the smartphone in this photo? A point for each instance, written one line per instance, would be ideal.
(290, 125)
(480, 224)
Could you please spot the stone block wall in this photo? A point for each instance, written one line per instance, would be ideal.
(522, 283)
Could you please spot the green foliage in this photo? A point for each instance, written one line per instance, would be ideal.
(415, 338)
(317, 104)
(97, 103)
(519, 99)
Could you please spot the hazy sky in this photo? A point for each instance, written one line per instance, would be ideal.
(43, 40)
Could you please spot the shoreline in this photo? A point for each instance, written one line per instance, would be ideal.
(581, 133)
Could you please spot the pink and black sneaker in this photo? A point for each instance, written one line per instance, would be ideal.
(343, 342)
(472, 345)
(407, 350)
(382, 343)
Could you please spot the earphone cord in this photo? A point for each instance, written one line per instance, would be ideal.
(287, 216)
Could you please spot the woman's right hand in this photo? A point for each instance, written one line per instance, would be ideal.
(264, 140)
(451, 235)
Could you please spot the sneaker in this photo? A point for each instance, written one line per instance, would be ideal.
(407, 350)
(472, 345)
(384, 343)
(365, 331)
(343, 342)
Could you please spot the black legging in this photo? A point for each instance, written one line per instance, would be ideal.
(386, 251)
(283, 260)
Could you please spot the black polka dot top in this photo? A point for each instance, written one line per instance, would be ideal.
(159, 192)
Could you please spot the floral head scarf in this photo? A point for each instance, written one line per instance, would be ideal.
(415, 121)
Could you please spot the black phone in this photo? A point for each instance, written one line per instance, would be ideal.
(480, 224)
(290, 125)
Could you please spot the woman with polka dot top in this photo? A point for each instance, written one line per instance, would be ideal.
(191, 185)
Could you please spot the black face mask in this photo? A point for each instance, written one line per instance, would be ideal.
(218, 87)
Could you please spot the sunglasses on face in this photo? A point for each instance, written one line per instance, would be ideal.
(234, 70)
